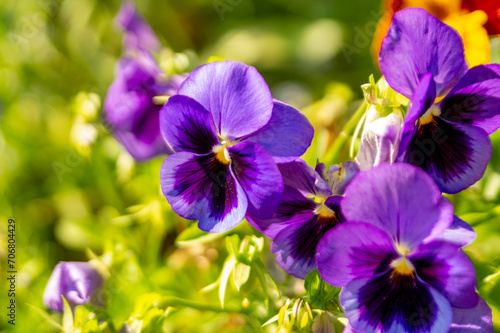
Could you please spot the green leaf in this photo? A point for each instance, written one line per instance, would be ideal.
(312, 282)
(272, 320)
(44, 314)
(233, 244)
(320, 294)
(259, 269)
(194, 235)
(241, 273)
(67, 319)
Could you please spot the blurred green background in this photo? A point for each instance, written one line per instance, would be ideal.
(74, 191)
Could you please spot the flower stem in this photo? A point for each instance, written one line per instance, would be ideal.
(176, 301)
(332, 154)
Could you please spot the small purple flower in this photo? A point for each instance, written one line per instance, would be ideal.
(310, 206)
(76, 281)
(423, 58)
(139, 34)
(228, 134)
(398, 273)
(130, 109)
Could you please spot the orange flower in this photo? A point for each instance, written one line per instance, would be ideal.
(468, 24)
(491, 8)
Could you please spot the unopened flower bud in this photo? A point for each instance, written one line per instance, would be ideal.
(76, 281)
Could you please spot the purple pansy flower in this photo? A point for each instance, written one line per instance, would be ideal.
(398, 274)
(76, 281)
(309, 208)
(129, 106)
(130, 109)
(423, 58)
(228, 134)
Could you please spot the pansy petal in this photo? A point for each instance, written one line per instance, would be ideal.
(296, 245)
(459, 233)
(187, 126)
(421, 101)
(143, 143)
(139, 33)
(84, 277)
(76, 281)
(286, 136)
(474, 320)
(298, 174)
(400, 199)
(380, 139)
(348, 329)
(353, 250)
(380, 304)
(200, 188)
(293, 208)
(259, 176)
(418, 43)
(173, 83)
(338, 176)
(236, 94)
(333, 203)
(455, 155)
(446, 267)
(476, 99)
(130, 96)
(423, 98)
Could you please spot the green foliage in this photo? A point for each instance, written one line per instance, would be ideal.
(320, 294)
(76, 195)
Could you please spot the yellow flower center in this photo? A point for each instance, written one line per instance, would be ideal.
(221, 153)
(323, 211)
(402, 266)
(428, 117)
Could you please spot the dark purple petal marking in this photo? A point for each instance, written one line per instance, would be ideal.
(455, 155)
(399, 199)
(472, 320)
(286, 136)
(446, 267)
(298, 174)
(476, 99)
(296, 244)
(422, 100)
(388, 303)
(187, 126)
(199, 187)
(293, 208)
(418, 43)
(353, 250)
(235, 94)
(258, 175)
